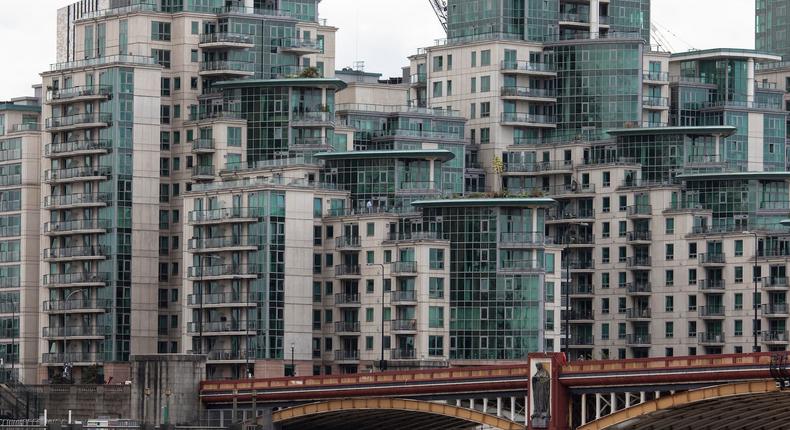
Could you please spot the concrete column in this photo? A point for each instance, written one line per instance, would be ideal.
(485, 406)
(595, 19)
(512, 409)
(642, 397)
(249, 3)
(499, 406)
(471, 403)
(584, 409)
(613, 405)
(627, 400)
(750, 80)
(597, 406)
(658, 395)
(458, 403)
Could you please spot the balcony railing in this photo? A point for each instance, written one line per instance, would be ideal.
(84, 91)
(521, 265)
(584, 264)
(203, 144)
(528, 92)
(638, 262)
(24, 127)
(581, 315)
(69, 305)
(538, 167)
(637, 339)
(227, 66)
(77, 278)
(226, 37)
(710, 337)
(77, 172)
(414, 235)
(347, 355)
(638, 287)
(403, 325)
(301, 44)
(649, 75)
(775, 336)
(776, 282)
(347, 299)
(404, 296)
(203, 171)
(77, 331)
(525, 238)
(403, 354)
(775, 309)
(404, 267)
(711, 311)
(347, 242)
(654, 101)
(222, 326)
(710, 258)
(78, 146)
(711, 284)
(72, 357)
(222, 214)
(78, 119)
(347, 327)
(76, 252)
(574, 17)
(581, 289)
(228, 354)
(76, 199)
(225, 270)
(635, 236)
(637, 210)
(347, 270)
(77, 225)
(527, 66)
(232, 298)
(314, 117)
(224, 242)
(636, 313)
(581, 340)
(527, 118)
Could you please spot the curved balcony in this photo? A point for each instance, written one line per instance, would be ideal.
(711, 312)
(223, 328)
(346, 356)
(529, 94)
(404, 297)
(347, 300)
(226, 68)
(74, 358)
(77, 174)
(347, 242)
(570, 215)
(203, 146)
(79, 94)
(80, 226)
(416, 188)
(224, 244)
(70, 201)
(10, 180)
(79, 279)
(348, 271)
(226, 216)
(639, 211)
(299, 46)
(77, 332)
(78, 121)
(403, 325)
(221, 300)
(310, 144)
(528, 68)
(540, 168)
(404, 268)
(77, 306)
(521, 119)
(224, 271)
(312, 119)
(638, 288)
(79, 147)
(93, 252)
(351, 327)
(634, 314)
(775, 310)
(226, 40)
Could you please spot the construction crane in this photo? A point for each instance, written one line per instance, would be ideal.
(440, 9)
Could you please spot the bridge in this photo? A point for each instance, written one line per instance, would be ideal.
(699, 391)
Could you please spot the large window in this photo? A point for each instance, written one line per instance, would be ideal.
(160, 30)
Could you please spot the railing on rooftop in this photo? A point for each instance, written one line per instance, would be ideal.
(100, 61)
(367, 107)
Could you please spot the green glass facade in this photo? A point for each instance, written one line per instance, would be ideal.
(771, 27)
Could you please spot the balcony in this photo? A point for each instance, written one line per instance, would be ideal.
(710, 339)
(559, 191)
(637, 314)
(346, 356)
(581, 265)
(221, 300)
(27, 127)
(80, 226)
(347, 299)
(652, 76)
(711, 312)
(76, 358)
(347, 242)
(94, 305)
(347, 327)
(575, 240)
(224, 244)
(574, 18)
(78, 121)
(78, 279)
(637, 340)
(581, 341)
(639, 288)
(581, 316)
(77, 331)
(418, 79)
(228, 355)
(348, 270)
(775, 337)
(226, 40)
(70, 201)
(638, 263)
(312, 119)
(775, 310)
(529, 94)
(403, 325)
(638, 236)
(712, 259)
(416, 188)
(77, 174)
(79, 94)
(404, 297)
(581, 290)
(226, 216)
(224, 271)
(310, 144)
(570, 214)
(403, 354)
(300, 46)
(523, 239)
(413, 236)
(545, 167)
(521, 119)
(404, 268)
(775, 284)
(79, 147)
(655, 103)
(203, 146)
(220, 115)
(711, 285)
(222, 328)
(521, 266)
(528, 68)
(639, 211)
(93, 252)
(204, 173)
(226, 68)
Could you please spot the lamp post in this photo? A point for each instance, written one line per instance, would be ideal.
(566, 251)
(755, 347)
(382, 362)
(200, 298)
(293, 368)
(65, 329)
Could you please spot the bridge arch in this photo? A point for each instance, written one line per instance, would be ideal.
(385, 413)
(625, 417)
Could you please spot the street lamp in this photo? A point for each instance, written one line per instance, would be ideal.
(200, 297)
(65, 326)
(382, 362)
(566, 251)
(755, 347)
(293, 369)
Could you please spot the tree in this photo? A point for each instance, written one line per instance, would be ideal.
(309, 72)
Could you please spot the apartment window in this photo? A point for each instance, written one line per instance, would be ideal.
(369, 314)
(485, 135)
(193, 83)
(622, 228)
(437, 89)
(176, 84)
(176, 111)
(193, 56)
(165, 87)
(370, 257)
(436, 288)
(606, 204)
(669, 304)
(316, 319)
(316, 263)
(329, 259)
(738, 329)
(435, 317)
(692, 303)
(328, 315)
(621, 279)
(692, 329)
(622, 253)
(449, 88)
(549, 320)
(670, 225)
(621, 305)
(472, 110)
(738, 248)
(606, 179)
(438, 63)
(473, 59)
(669, 352)
(605, 255)
(623, 203)
(164, 114)
(692, 250)
(485, 57)
(692, 276)
(436, 259)
(738, 274)
(669, 251)
(738, 300)
(605, 305)
(485, 109)
(485, 84)
(605, 280)
(605, 331)
(387, 314)
(370, 229)
(473, 85)
(328, 287)
(195, 27)
(669, 276)
(388, 256)
(436, 346)
(160, 30)
(605, 229)
(161, 57)
(621, 331)
(368, 343)
(757, 273)
(370, 286)
(669, 329)
(693, 349)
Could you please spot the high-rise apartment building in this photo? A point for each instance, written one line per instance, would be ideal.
(771, 27)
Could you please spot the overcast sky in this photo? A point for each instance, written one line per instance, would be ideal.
(382, 33)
